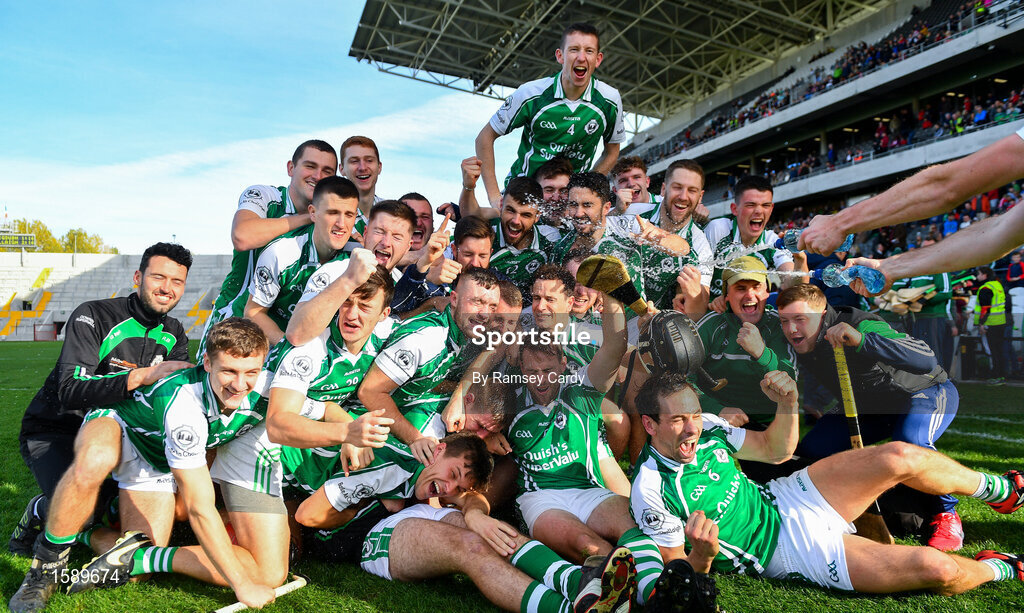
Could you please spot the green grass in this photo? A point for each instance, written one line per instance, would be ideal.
(996, 412)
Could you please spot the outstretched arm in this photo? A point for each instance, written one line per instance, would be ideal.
(485, 151)
(605, 365)
(776, 444)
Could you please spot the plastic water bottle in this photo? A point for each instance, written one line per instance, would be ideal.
(790, 239)
(833, 275)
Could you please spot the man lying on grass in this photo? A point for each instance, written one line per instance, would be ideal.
(156, 443)
(422, 542)
(799, 526)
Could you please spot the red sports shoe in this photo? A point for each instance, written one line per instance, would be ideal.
(947, 532)
(1016, 499)
(1016, 561)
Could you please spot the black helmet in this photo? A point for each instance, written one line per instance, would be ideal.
(673, 344)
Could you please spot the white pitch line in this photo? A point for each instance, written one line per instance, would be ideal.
(997, 420)
(986, 435)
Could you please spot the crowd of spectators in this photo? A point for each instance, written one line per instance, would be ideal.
(857, 60)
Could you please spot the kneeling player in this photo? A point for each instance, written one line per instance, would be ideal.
(799, 526)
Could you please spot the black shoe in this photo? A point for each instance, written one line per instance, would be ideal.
(112, 568)
(680, 589)
(29, 527)
(41, 582)
(608, 586)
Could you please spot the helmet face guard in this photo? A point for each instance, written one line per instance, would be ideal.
(674, 346)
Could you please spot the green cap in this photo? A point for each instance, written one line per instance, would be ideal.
(743, 268)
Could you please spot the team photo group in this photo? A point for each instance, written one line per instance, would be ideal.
(583, 394)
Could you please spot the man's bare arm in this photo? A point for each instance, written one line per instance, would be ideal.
(286, 426)
(485, 151)
(375, 393)
(605, 365)
(930, 192)
(468, 204)
(258, 314)
(250, 231)
(609, 156)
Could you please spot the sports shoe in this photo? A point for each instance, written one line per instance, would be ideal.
(1016, 561)
(28, 528)
(947, 532)
(41, 581)
(1016, 499)
(606, 587)
(112, 568)
(681, 589)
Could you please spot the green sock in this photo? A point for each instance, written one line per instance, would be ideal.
(85, 537)
(1003, 570)
(993, 488)
(540, 599)
(648, 561)
(60, 540)
(546, 566)
(147, 560)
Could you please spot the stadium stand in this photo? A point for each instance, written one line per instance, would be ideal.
(44, 288)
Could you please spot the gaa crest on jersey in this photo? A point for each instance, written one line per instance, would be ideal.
(185, 437)
(652, 520)
(722, 455)
(591, 126)
(320, 281)
(560, 421)
(302, 365)
(263, 276)
(406, 361)
(532, 266)
(697, 491)
(252, 194)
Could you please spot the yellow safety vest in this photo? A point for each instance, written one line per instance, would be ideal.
(997, 311)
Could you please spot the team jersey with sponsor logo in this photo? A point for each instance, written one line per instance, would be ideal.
(282, 270)
(269, 203)
(554, 125)
(172, 422)
(556, 446)
(324, 369)
(520, 264)
(661, 269)
(665, 493)
(724, 237)
(419, 355)
(726, 359)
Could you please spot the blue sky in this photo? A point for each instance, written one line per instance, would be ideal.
(138, 121)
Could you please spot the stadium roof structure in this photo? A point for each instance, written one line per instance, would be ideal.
(660, 54)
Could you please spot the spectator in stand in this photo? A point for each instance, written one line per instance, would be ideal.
(1015, 271)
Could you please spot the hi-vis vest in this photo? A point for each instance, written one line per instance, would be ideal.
(996, 312)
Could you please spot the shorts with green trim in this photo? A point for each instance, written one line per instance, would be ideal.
(810, 546)
(378, 542)
(250, 461)
(133, 472)
(580, 502)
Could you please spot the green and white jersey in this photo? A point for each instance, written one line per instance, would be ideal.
(661, 269)
(520, 264)
(553, 124)
(726, 359)
(269, 203)
(282, 270)
(331, 272)
(639, 208)
(617, 240)
(665, 493)
(724, 237)
(324, 369)
(304, 471)
(556, 445)
(419, 355)
(172, 422)
(391, 476)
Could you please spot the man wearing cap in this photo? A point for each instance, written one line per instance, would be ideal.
(742, 345)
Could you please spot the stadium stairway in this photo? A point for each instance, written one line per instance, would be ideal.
(44, 288)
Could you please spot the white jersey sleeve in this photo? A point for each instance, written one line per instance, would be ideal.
(619, 132)
(324, 276)
(510, 115)
(257, 198)
(781, 256)
(716, 230)
(400, 360)
(733, 436)
(185, 431)
(650, 512)
(702, 249)
(300, 365)
(265, 286)
(343, 492)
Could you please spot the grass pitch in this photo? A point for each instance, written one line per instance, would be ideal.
(988, 434)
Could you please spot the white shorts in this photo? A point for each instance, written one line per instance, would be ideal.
(578, 501)
(377, 544)
(133, 472)
(250, 461)
(810, 543)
